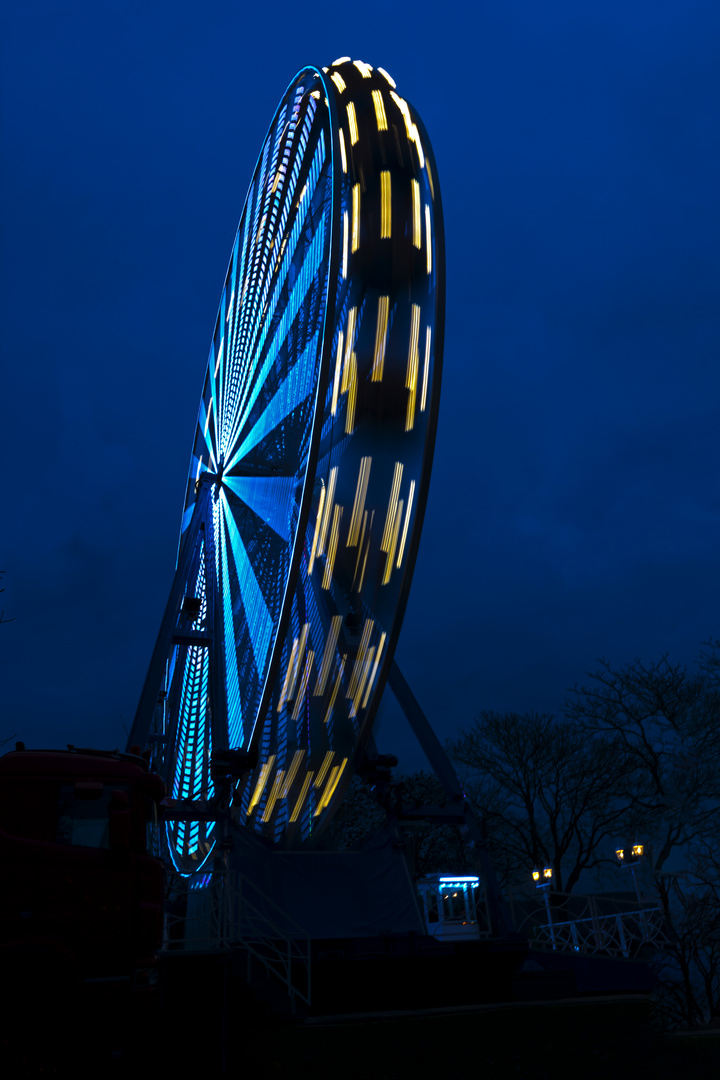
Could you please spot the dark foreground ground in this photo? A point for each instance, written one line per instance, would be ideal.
(592, 1039)
(582, 1040)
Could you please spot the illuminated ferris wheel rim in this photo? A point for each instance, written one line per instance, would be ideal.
(356, 420)
(311, 461)
(330, 85)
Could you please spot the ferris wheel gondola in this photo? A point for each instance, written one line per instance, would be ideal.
(310, 464)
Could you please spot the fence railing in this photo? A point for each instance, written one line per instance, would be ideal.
(229, 912)
(591, 925)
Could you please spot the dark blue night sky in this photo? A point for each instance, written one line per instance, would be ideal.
(575, 502)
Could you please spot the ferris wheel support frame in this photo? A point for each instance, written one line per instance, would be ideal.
(357, 276)
(462, 813)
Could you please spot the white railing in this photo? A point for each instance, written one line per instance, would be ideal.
(231, 913)
(592, 925)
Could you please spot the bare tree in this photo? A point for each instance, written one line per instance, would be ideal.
(548, 794)
(668, 722)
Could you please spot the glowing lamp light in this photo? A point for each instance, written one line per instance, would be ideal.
(630, 854)
(542, 877)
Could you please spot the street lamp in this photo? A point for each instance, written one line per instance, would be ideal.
(542, 879)
(631, 856)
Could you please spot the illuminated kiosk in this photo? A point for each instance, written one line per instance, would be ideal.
(451, 908)
(304, 503)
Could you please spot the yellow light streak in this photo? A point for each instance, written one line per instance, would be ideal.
(338, 80)
(428, 238)
(352, 396)
(405, 526)
(355, 244)
(327, 762)
(359, 503)
(364, 69)
(352, 123)
(302, 689)
(426, 370)
(391, 553)
(380, 338)
(417, 238)
(336, 687)
(318, 520)
(292, 773)
(261, 782)
(332, 548)
(274, 793)
(388, 77)
(385, 205)
(328, 509)
(328, 654)
(330, 787)
(315, 94)
(392, 507)
(342, 150)
(345, 244)
(301, 797)
(294, 665)
(367, 665)
(360, 548)
(411, 128)
(365, 559)
(349, 345)
(300, 657)
(371, 680)
(321, 801)
(418, 144)
(362, 650)
(380, 114)
(284, 692)
(342, 60)
(432, 186)
(412, 368)
(338, 369)
(403, 107)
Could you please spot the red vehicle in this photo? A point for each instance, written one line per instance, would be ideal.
(81, 903)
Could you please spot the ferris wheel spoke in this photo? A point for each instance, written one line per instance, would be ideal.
(216, 369)
(306, 280)
(204, 429)
(288, 242)
(232, 384)
(270, 497)
(273, 198)
(257, 616)
(295, 389)
(286, 249)
(232, 682)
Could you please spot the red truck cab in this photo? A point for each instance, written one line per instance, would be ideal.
(81, 903)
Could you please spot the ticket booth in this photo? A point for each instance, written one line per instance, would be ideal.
(453, 906)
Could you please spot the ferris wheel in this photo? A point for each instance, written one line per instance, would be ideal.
(309, 470)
